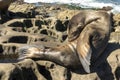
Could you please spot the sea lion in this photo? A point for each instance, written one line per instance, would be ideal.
(88, 34)
(4, 5)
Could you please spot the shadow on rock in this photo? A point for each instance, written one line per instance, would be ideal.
(117, 73)
(101, 66)
(13, 15)
(44, 72)
(104, 70)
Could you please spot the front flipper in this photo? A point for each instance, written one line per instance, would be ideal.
(85, 53)
(84, 49)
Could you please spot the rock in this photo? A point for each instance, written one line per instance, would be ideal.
(117, 29)
(52, 71)
(107, 8)
(116, 20)
(115, 37)
(9, 71)
(30, 70)
(54, 8)
(47, 25)
(24, 70)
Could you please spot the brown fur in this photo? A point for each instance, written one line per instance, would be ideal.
(88, 34)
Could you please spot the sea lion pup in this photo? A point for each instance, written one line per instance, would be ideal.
(92, 29)
(4, 5)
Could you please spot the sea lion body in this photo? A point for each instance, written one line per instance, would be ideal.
(88, 34)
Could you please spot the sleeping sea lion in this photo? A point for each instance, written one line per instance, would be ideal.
(88, 34)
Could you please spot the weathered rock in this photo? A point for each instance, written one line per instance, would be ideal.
(117, 29)
(115, 37)
(30, 70)
(24, 70)
(9, 71)
(52, 22)
(19, 9)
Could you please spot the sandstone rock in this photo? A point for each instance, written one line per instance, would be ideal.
(24, 70)
(117, 29)
(52, 23)
(115, 37)
(116, 19)
(30, 70)
(9, 71)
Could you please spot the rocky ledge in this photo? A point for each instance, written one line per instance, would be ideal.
(46, 25)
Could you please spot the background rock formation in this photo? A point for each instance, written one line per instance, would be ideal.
(47, 25)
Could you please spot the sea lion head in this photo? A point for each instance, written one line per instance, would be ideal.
(75, 26)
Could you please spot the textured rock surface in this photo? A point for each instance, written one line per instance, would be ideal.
(47, 25)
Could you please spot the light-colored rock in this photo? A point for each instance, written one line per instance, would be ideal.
(44, 70)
